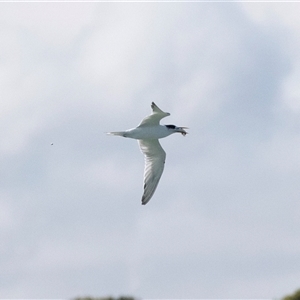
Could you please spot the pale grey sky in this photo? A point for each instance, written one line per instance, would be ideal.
(225, 219)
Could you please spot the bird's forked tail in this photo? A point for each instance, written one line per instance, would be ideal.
(120, 133)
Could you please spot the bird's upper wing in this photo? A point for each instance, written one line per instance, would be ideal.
(155, 117)
(155, 157)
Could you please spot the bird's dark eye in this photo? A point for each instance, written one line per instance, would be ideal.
(171, 126)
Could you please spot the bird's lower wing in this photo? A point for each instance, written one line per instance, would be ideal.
(155, 157)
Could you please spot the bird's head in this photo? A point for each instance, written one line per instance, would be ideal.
(177, 129)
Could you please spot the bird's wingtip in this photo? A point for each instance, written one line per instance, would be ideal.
(145, 201)
(153, 105)
(156, 109)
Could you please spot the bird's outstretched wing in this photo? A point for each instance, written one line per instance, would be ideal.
(155, 117)
(155, 157)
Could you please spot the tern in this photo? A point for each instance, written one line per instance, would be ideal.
(148, 132)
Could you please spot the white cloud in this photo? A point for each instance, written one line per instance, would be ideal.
(282, 152)
(55, 24)
(224, 220)
(281, 19)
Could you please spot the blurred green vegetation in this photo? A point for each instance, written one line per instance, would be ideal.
(295, 296)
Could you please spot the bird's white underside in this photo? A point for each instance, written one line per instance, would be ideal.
(147, 133)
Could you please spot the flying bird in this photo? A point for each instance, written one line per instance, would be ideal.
(147, 133)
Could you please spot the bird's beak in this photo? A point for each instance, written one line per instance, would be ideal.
(181, 130)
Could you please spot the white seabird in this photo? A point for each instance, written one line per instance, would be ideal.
(147, 133)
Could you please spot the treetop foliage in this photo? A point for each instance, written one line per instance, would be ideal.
(295, 296)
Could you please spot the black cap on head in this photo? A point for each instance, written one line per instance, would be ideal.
(171, 126)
